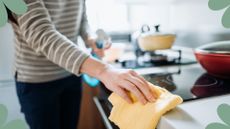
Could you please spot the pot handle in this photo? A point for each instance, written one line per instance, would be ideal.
(157, 28)
(145, 28)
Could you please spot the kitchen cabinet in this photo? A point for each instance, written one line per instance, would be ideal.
(89, 116)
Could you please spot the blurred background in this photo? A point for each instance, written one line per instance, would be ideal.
(193, 22)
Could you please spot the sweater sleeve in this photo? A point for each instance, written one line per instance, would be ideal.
(42, 37)
(85, 31)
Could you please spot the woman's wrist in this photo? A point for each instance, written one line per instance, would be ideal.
(94, 67)
(103, 72)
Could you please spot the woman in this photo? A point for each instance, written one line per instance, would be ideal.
(46, 55)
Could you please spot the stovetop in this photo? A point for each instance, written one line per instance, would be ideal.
(184, 77)
(191, 83)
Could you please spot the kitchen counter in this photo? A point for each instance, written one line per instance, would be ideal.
(194, 114)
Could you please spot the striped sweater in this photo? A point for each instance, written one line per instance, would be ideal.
(46, 40)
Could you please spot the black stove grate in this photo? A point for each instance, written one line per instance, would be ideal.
(151, 59)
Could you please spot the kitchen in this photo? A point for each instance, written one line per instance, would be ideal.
(194, 25)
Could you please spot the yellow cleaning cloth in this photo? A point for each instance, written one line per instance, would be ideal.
(138, 116)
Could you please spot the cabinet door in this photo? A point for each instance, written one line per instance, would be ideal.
(89, 117)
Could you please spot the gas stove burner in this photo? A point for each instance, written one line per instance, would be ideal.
(158, 58)
(151, 59)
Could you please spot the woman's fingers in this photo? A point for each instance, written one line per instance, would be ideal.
(99, 52)
(132, 88)
(123, 94)
(145, 89)
(147, 92)
(152, 91)
(140, 77)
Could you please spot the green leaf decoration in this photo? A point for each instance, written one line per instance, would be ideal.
(218, 4)
(3, 14)
(221, 4)
(224, 114)
(16, 6)
(217, 126)
(15, 124)
(226, 18)
(3, 115)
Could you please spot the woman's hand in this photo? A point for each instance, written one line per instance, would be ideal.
(99, 52)
(121, 81)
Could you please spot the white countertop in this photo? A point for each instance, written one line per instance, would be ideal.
(193, 114)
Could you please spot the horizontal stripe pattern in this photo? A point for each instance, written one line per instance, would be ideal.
(46, 40)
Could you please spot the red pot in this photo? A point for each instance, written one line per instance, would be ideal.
(215, 58)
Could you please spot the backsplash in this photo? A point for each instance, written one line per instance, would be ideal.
(193, 22)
